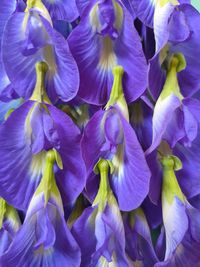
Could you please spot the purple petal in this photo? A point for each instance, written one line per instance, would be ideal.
(64, 251)
(7, 8)
(188, 79)
(144, 10)
(19, 141)
(161, 24)
(163, 113)
(194, 222)
(189, 177)
(17, 160)
(71, 180)
(81, 5)
(175, 223)
(131, 173)
(62, 77)
(91, 51)
(62, 10)
(187, 254)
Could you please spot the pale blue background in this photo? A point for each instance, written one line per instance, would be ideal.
(196, 3)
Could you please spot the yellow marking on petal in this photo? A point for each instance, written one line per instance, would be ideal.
(118, 161)
(177, 63)
(170, 185)
(25, 21)
(163, 54)
(102, 262)
(164, 2)
(103, 167)
(94, 20)
(42, 251)
(39, 92)
(2, 211)
(49, 57)
(39, 6)
(27, 125)
(38, 163)
(48, 184)
(118, 15)
(108, 58)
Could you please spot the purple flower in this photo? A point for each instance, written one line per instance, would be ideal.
(109, 135)
(183, 39)
(104, 39)
(99, 230)
(175, 118)
(9, 225)
(28, 38)
(44, 238)
(6, 90)
(62, 10)
(139, 245)
(26, 136)
(179, 216)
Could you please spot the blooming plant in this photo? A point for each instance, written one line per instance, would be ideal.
(99, 133)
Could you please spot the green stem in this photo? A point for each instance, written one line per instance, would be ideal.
(39, 93)
(48, 183)
(117, 94)
(2, 211)
(177, 64)
(103, 168)
(170, 186)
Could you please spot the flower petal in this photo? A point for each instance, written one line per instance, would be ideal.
(176, 224)
(131, 173)
(96, 55)
(62, 10)
(18, 164)
(163, 113)
(22, 49)
(63, 252)
(71, 180)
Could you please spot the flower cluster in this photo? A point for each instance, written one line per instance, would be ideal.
(99, 133)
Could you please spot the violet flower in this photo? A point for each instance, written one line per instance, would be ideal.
(26, 136)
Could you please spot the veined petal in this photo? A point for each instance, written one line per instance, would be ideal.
(186, 254)
(163, 113)
(7, 8)
(131, 172)
(25, 49)
(189, 176)
(91, 155)
(10, 225)
(176, 224)
(106, 246)
(161, 24)
(63, 251)
(97, 50)
(18, 164)
(6, 107)
(62, 10)
(81, 5)
(190, 125)
(138, 237)
(188, 79)
(145, 10)
(70, 180)
(39, 128)
(194, 222)
(82, 228)
(193, 105)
